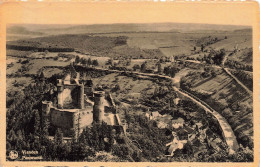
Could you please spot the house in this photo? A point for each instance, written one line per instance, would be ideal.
(155, 114)
(182, 134)
(176, 101)
(213, 144)
(174, 145)
(199, 125)
(162, 125)
(172, 59)
(147, 115)
(177, 123)
(163, 121)
(180, 137)
(185, 133)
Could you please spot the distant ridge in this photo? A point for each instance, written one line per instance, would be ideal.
(112, 28)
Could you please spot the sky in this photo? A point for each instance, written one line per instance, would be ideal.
(236, 13)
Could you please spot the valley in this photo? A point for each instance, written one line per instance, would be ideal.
(199, 82)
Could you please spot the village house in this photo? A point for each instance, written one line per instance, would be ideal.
(177, 123)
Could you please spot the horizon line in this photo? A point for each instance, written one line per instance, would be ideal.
(117, 23)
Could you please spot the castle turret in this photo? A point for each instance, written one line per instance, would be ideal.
(98, 109)
(59, 90)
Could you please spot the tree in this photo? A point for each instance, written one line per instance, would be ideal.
(36, 123)
(227, 112)
(80, 151)
(136, 67)
(109, 62)
(159, 68)
(77, 59)
(166, 70)
(95, 62)
(42, 76)
(173, 71)
(218, 56)
(128, 62)
(202, 47)
(58, 138)
(89, 62)
(46, 52)
(45, 125)
(143, 67)
(83, 61)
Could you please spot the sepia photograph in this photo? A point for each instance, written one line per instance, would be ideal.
(129, 92)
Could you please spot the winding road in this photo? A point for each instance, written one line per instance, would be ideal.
(227, 131)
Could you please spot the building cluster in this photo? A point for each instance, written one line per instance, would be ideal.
(76, 105)
(198, 135)
(183, 134)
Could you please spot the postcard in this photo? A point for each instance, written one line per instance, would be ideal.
(129, 83)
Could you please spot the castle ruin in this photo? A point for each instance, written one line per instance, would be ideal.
(76, 105)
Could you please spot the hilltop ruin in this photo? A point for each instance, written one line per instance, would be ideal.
(75, 105)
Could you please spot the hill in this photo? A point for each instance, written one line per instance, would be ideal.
(15, 31)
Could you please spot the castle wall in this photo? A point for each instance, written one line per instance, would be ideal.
(71, 119)
(62, 119)
(72, 115)
(71, 96)
(117, 120)
(84, 117)
(109, 119)
(64, 98)
(110, 109)
(110, 99)
(88, 91)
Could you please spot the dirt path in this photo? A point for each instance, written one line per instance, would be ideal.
(240, 83)
(228, 72)
(234, 77)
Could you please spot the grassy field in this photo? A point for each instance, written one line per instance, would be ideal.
(150, 44)
(129, 87)
(19, 68)
(243, 55)
(172, 43)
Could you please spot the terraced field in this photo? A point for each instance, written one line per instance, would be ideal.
(228, 98)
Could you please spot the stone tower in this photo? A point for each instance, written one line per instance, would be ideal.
(81, 97)
(59, 97)
(98, 108)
